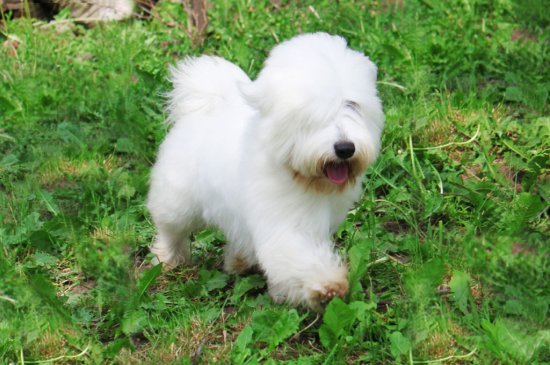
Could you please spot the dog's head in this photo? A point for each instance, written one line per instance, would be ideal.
(320, 113)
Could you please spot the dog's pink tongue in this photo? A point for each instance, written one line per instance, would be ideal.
(337, 172)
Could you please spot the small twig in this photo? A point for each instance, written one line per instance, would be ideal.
(7, 136)
(144, 8)
(62, 357)
(440, 181)
(392, 84)
(378, 261)
(307, 327)
(402, 211)
(384, 259)
(451, 143)
(8, 299)
(413, 163)
(314, 12)
(446, 358)
(274, 35)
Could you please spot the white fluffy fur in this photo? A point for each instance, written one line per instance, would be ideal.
(241, 153)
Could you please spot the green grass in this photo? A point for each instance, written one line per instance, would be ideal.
(448, 248)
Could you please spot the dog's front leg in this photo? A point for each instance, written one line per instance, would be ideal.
(302, 270)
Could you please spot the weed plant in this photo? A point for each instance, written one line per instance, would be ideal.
(448, 248)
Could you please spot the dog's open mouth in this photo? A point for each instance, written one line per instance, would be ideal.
(337, 172)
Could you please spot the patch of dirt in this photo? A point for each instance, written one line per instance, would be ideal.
(82, 287)
(471, 172)
(513, 177)
(139, 340)
(394, 227)
(384, 305)
(520, 248)
(73, 284)
(522, 35)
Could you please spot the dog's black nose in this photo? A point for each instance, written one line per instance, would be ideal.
(344, 150)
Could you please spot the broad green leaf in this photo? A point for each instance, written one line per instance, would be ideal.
(213, 279)
(357, 255)
(361, 308)
(338, 315)
(327, 337)
(70, 133)
(42, 241)
(358, 258)
(274, 326)
(244, 338)
(421, 284)
(44, 259)
(241, 351)
(513, 93)
(48, 201)
(148, 278)
(460, 288)
(125, 145)
(337, 321)
(246, 284)
(133, 321)
(400, 344)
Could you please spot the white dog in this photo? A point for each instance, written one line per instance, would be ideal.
(274, 163)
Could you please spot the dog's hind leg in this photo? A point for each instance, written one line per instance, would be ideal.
(172, 245)
(176, 217)
(239, 257)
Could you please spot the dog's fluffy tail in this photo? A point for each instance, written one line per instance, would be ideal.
(203, 84)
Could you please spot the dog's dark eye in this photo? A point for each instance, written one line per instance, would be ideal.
(353, 106)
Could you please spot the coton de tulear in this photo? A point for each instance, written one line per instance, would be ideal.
(274, 163)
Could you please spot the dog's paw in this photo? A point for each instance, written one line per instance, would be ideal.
(171, 255)
(320, 297)
(313, 287)
(169, 262)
